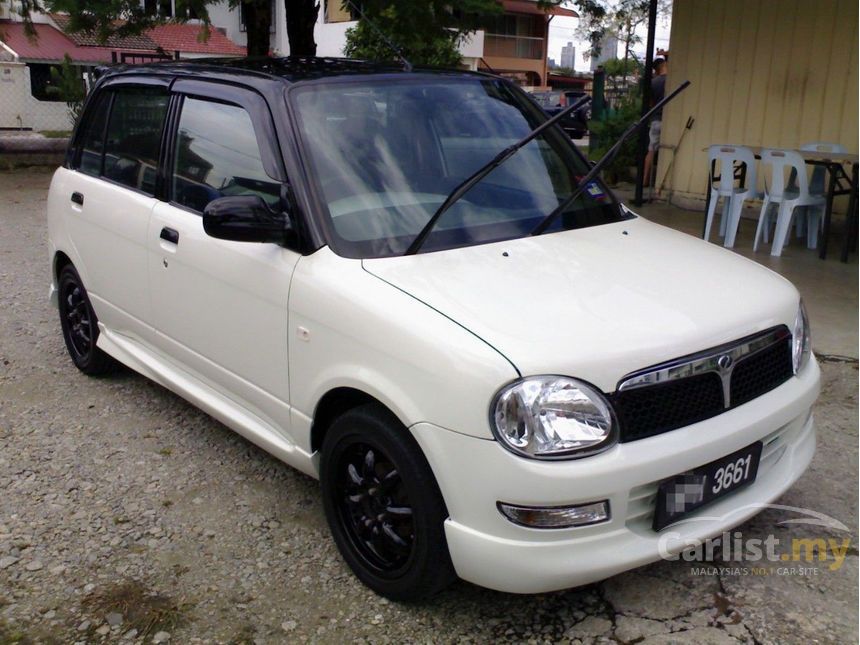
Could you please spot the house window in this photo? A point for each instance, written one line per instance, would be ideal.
(335, 12)
(516, 25)
(162, 8)
(167, 9)
(515, 36)
(242, 17)
(41, 82)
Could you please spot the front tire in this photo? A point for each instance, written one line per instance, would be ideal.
(383, 505)
(80, 326)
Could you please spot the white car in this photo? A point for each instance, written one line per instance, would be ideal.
(324, 256)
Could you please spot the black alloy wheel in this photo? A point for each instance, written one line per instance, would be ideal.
(78, 319)
(80, 325)
(374, 508)
(383, 505)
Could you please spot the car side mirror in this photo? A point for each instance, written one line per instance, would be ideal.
(245, 218)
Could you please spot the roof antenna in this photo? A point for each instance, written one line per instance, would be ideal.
(406, 64)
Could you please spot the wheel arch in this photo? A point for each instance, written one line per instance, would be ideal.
(61, 261)
(58, 262)
(333, 404)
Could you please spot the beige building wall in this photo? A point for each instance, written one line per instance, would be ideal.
(509, 64)
(775, 73)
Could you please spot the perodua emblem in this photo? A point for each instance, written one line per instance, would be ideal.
(725, 362)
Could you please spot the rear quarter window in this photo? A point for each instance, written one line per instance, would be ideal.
(133, 138)
(92, 137)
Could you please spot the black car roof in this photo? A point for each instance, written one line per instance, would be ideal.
(289, 69)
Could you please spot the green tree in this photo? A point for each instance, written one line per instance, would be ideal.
(618, 69)
(68, 85)
(426, 32)
(622, 67)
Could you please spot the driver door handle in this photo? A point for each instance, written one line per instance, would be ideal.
(170, 235)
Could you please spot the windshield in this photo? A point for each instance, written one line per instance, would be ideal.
(385, 154)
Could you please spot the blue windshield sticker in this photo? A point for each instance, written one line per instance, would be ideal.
(594, 190)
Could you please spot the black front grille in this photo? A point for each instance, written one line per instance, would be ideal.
(761, 372)
(653, 409)
(646, 411)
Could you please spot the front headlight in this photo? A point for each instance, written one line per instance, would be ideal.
(801, 345)
(552, 417)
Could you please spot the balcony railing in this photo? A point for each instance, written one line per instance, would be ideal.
(513, 46)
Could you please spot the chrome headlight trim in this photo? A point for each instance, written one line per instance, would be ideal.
(801, 340)
(525, 444)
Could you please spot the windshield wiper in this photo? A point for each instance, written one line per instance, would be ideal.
(605, 159)
(465, 186)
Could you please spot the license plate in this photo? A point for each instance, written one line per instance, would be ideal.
(685, 493)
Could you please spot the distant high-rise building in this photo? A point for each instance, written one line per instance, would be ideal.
(568, 55)
(550, 63)
(608, 51)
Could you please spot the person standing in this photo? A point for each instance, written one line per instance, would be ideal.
(658, 91)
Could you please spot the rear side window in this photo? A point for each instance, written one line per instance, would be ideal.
(217, 155)
(92, 139)
(134, 137)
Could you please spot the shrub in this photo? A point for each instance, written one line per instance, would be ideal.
(609, 128)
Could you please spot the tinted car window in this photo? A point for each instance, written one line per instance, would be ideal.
(217, 155)
(134, 137)
(386, 154)
(92, 140)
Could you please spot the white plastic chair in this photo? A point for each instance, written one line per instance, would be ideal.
(788, 198)
(816, 182)
(733, 197)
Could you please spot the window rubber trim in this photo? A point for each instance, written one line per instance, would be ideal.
(256, 107)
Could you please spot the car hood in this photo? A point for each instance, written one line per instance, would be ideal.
(596, 303)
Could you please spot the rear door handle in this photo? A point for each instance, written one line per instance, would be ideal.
(78, 198)
(170, 235)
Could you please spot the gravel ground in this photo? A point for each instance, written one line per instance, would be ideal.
(126, 515)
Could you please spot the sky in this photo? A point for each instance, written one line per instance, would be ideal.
(562, 29)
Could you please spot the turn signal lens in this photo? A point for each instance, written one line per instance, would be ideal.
(556, 517)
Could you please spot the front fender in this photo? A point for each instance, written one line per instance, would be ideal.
(348, 328)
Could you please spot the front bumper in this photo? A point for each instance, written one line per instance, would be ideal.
(488, 550)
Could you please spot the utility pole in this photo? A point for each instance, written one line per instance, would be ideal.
(646, 103)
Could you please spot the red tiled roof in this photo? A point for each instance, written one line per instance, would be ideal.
(89, 39)
(49, 45)
(188, 38)
(524, 6)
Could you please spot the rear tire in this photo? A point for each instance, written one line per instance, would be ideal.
(383, 505)
(80, 326)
